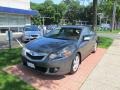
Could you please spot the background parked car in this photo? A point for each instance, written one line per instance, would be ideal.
(105, 26)
(30, 33)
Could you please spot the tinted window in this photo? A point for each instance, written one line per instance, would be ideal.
(65, 33)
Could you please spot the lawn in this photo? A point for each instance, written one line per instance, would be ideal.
(104, 42)
(7, 81)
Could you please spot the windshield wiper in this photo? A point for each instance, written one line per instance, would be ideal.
(63, 38)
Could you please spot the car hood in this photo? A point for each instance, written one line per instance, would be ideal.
(31, 32)
(48, 45)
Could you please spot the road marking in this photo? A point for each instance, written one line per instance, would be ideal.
(19, 43)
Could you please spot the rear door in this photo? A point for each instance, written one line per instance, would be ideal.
(85, 46)
(93, 39)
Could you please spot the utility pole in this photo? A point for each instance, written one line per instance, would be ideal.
(43, 21)
(9, 37)
(114, 15)
(100, 15)
(94, 14)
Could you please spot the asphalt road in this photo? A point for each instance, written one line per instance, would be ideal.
(4, 36)
(4, 41)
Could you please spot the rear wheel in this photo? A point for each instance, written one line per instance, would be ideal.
(75, 64)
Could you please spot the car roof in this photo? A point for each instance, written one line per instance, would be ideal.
(75, 26)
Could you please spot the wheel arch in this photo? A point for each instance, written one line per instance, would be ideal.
(80, 56)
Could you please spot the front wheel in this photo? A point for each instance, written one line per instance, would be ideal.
(75, 64)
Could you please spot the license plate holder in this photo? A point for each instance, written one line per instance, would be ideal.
(29, 64)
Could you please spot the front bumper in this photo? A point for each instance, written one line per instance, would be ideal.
(57, 67)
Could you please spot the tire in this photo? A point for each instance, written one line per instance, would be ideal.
(95, 47)
(75, 64)
(21, 39)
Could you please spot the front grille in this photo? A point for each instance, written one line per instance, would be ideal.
(41, 69)
(34, 35)
(38, 68)
(35, 57)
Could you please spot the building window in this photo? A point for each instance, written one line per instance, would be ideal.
(3, 20)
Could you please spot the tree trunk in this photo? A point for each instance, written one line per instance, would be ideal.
(95, 14)
(114, 16)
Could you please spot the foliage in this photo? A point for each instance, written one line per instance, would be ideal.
(106, 7)
(72, 10)
(53, 13)
(7, 81)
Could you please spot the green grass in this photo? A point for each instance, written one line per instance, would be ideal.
(7, 81)
(104, 42)
(108, 31)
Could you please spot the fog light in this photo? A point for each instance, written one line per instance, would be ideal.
(54, 70)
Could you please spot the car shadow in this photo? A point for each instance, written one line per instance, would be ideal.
(65, 82)
(34, 77)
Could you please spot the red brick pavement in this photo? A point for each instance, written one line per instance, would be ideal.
(66, 82)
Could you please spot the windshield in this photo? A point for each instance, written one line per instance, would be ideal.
(31, 28)
(64, 33)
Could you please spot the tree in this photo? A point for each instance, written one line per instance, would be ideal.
(114, 15)
(73, 11)
(111, 8)
(87, 14)
(47, 11)
(67, 9)
(35, 19)
(94, 14)
(62, 7)
(34, 6)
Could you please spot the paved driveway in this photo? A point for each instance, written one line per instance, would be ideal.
(4, 42)
(66, 82)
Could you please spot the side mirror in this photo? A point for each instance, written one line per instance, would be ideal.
(86, 38)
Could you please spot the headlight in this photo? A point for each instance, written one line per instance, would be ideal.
(66, 52)
(53, 55)
(24, 50)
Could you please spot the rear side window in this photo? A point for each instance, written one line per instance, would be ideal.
(86, 31)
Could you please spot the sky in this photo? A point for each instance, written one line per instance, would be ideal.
(85, 2)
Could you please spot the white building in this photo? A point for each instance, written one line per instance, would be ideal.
(15, 14)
